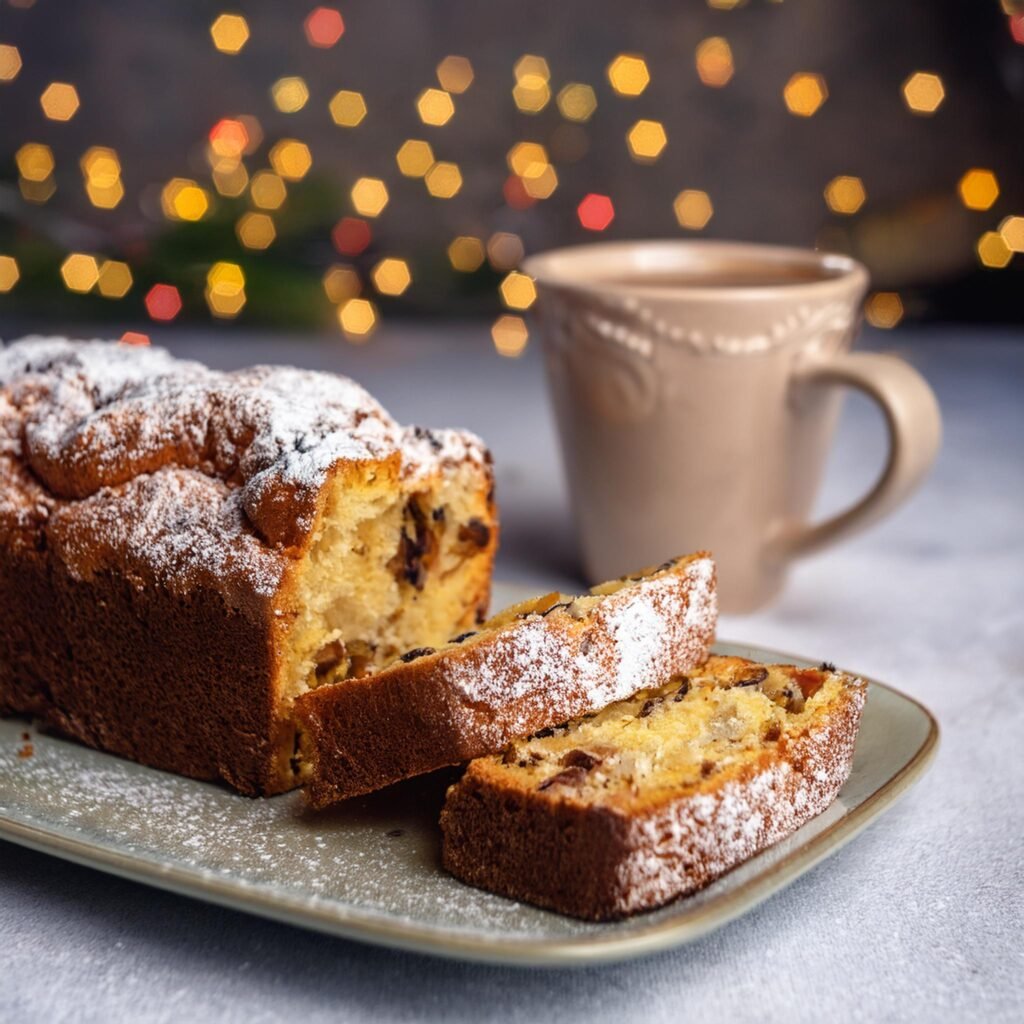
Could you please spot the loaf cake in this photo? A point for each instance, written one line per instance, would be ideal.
(655, 796)
(532, 666)
(183, 551)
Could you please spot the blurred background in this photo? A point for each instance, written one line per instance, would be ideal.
(331, 167)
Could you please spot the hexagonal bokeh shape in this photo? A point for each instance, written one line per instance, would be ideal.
(414, 158)
(9, 273)
(577, 101)
(268, 190)
(455, 74)
(443, 180)
(714, 62)
(391, 276)
(35, 161)
(845, 194)
(290, 94)
(60, 101)
(358, 318)
(10, 62)
(646, 140)
(324, 26)
(805, 93)
(255, 230)
(595, 211)
(978, 188)
(923, 93)
(230, 32)
(291, 159)
(628, 74)
(115, 279)
(993, 252)
(510, 335)
(693, 209)
(518, 291)
(466, 253)
(369, 196)
(341, 283)
(435, 107)
(348, 108)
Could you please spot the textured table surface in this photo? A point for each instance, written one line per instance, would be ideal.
(919, 919)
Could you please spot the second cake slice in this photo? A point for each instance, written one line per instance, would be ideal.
(530, 667)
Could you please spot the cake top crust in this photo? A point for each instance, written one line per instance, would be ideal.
(196, 472)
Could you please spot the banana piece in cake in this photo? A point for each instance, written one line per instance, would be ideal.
(534, 665)
(183, 552)
(656, 796)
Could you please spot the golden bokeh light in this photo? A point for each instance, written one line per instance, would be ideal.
(532, 91)
(104, 197)
(230, 32)
(184, 199)
(729, 5)
(255, 230)
(290, 94)
(1011, 229)
(628, 74)
(466, 254)
(414, 158)
(884, 309)
(59, 101)
(510, 335)
(358, 319)
(10, 66)
(80, 272)
(504, 250)
(230, 181)
(37, 191)
(101, 165)
(527, 159)
(923, 92)
(543, 185)
(435, 106)
(804, 93)
(291, 159)
(369, 196)
(35, 161)
(518, 291)
(455, 74)
(993, 251)
(341, 282)
(115, 279)
(845, 194)
(348, 108)
(391, 276)
(268, 190)
(693, 209)
(646, 139)
(225, 290)
(577, 102)
(229, 139)
(531, 66)
(9, 273)
(978, 189)
(714, 62)
(443, 180)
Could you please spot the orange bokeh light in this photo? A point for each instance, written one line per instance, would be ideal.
(596, 211)
(351, 236)
(163, 302)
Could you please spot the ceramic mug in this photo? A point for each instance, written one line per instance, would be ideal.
(696, 387)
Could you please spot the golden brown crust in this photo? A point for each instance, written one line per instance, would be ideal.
(601, 860)
(535, 671)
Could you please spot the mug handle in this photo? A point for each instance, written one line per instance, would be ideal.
(915, 433)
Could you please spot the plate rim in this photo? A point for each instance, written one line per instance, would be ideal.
(558, 952)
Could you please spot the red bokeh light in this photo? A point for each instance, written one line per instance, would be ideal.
(163, 302)
(1017, 28)
(351, 235)
(595, 211)
(134, 338)
(324, 27)
(229, 135)
(515, 193)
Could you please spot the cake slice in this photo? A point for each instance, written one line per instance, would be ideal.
(532, 666)
(655, 796)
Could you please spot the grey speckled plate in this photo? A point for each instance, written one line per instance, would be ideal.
(370, 871)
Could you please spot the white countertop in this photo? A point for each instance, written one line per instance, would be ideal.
(920, 918)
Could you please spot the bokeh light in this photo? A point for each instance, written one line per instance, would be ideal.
(59, 101)
(628, 74)
(341, 282)
(455, 74)
(229, 139)
(136, 338)
(230, 180)
(845, 194)
(510, 335)
(993, 251)
(532, 91)
(225, 290)
(978, 188)
(255, 230)
(230, 32)
(923, 92)
(577, 102)
(646, 139)
(504, 250)
(348, 108)
(443, 180)
(291, 159)
(391, 276)
(414, 158)
(268, 190)
(10, 62)
(184, 199)
(884, 309)
(115, 279)
(351, 236)
(290, 94)
(9, 273)
(804, 93)
(693, 209)
(163, 302)
(1012, 231)
(80, 272)
(518, 291)
(369, 196)
(35, 161)
(466, 254)
(324, 26)
(595, 211)
(101, 169)
(435, 106)
(358, 319)
(714, 62)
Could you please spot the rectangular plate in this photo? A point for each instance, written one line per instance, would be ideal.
(369, 870)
